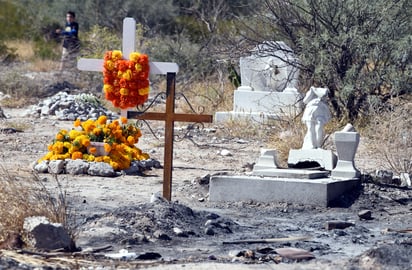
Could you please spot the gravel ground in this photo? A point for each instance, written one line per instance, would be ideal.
(191, 231)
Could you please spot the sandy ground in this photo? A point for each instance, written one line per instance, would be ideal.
(103, 209)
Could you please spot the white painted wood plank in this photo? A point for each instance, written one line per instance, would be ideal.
(129, 37)
(87, 64)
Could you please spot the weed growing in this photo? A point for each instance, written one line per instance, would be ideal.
(23, 196)
(390, 138)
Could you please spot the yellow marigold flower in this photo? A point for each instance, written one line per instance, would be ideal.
(124, 91)
(50, 147)
(116, 55)
(106, 130)
(138, 67)
(127, 75)
(102, 120)
(59, 137)
(86, 141)
(123, 120)
(97, 131)
(109, 65)
(131, 140)
(92, 150)
(107, 147)
(88, 157)
(144, 91)
(73, 134)
(48, 155)
(99, 159)
(58, 147)
(107, 88)
(89, 125)
(118, 134)
(115, 165)
(77, 123)
(106, 159)
(114, 125)
(134, 56)
(77, 155)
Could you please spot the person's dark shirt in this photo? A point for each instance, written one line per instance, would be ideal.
(70, 33)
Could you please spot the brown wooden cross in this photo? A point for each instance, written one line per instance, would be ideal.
(169, 117)
(168, 69)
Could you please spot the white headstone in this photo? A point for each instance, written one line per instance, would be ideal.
(271, 67)
(269, 81)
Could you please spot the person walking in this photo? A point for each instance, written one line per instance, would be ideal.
(71, 43)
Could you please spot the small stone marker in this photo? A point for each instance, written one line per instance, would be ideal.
(168, 69)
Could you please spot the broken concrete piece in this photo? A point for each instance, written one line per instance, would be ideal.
(267, 160)
(406, 179)
(324, 158)
(45, 235)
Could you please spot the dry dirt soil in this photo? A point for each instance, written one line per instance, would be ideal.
(117, 212)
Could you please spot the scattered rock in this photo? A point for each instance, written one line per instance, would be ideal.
(101, 169)
(76, 167)
(338, 224)
(365, 214)
(159, 234)
(64, 106)
(384, 176)
(56, 166)
(212, 216)
(225, 153)
(209, 231)
(202, 180)
(157, 197)
(42, 234)
(42, 167)
(180, 233)
(149, 256)
(123, 254)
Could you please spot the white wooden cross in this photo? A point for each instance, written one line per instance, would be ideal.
(169, 117)
(128, 46)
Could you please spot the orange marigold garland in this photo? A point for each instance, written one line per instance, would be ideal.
(126, 82)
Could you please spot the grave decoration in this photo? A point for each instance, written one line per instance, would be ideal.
(126, 81)
(117, 138)
(126, 84)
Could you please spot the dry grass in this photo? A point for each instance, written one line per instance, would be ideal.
(390, 137)
(25, 53)
(24, 49)
(43, 65)
(25, 195)
(211, 94)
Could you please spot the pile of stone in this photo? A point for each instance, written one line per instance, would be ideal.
(69, 107)
(79, 166)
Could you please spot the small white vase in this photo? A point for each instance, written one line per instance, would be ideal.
(100, 151)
